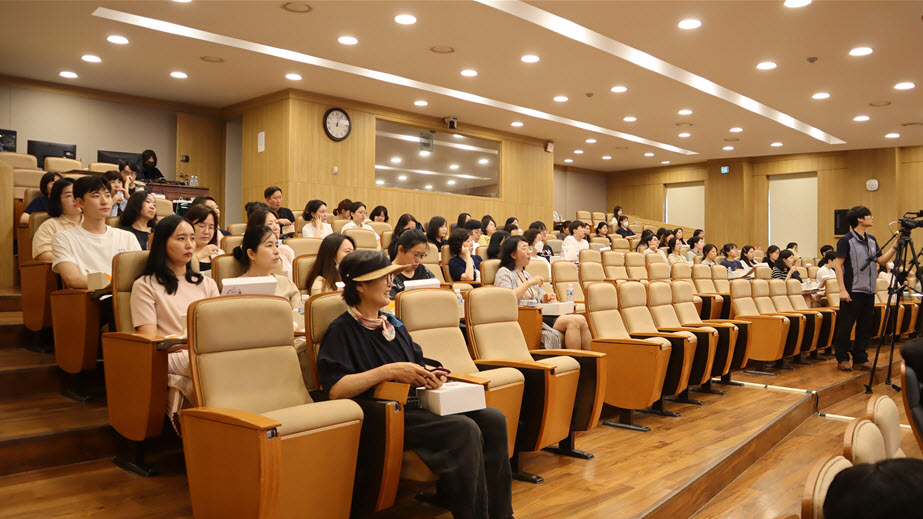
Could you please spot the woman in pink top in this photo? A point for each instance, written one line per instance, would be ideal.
(161, 296)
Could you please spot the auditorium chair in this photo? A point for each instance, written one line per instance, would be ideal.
(113, 221)
(102, 167)
(654, 258)
(619, 243)
(589, 255)
(636, 367)
(237, 229)
(907, 311)
(226, 266)
(658, 271)
(882, 411)
(600, 241)
(719, 305)
(299, 223)
(61, 165)
(489, 268)
(555, 245)
(597, 217)
(584, 216)
(817, 484)
(563, 388)
(364, 238)
(682, 272)
(19, 160)
(258, 445)
(591, 272)
(303, 246)
(230, 242)
(386, 239)
(337, 225)
(759, 293)
(431, 318)
(636, 267)
(912, 406)
(778, 294)
(828, 315)
(302, 266)
(721, 279)
(540, 267)
(564, 274)
(431, 262)
(25, 179)
(762, 272)
(632, 298)
(812, 272)
(734, 333)
(803, 272)
(636, 228)
(36, 279)
(463, 286)
(165, 208)
(863, 442)
(614, 265)
(380, 227)
(772, 337)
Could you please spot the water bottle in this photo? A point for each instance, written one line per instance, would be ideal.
(569, 293)
(461, 303)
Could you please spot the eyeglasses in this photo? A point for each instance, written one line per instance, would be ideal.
(418, 255)
(203, 227)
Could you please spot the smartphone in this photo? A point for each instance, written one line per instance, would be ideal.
(439, 371)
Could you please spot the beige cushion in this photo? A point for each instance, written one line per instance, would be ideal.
(658, 270)
(102, 167)
(236, 229)
(868, 445)
(164, 208)
(257, 379)
(307, 417)
(539, 267)
(126, 269)
(763, 272)
(493, 315)
(683, 303)
(431, 317)
(320, 311)
(590, 255)
(499, 377)
(338, 224)
(564, 273)
(883, 412)
(61, 164)
(489, 268)
(242, 322)
(19, 160)
(380, 227)
(303, 266)
(828, 471)
(633, 305)
(556, 246)
(303, 246)
(590, 272)
(760, 294)
(24, 179)
(226, 266)
(365, 239)
(620, 244)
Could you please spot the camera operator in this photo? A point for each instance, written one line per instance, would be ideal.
(857, 289)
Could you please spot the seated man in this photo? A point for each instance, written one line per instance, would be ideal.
(364, 347)
(576, 242)
(273, 197)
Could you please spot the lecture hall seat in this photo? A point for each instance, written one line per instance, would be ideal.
(303, 246)
(589, 255)
(489, 268)
(364, 238)
(797, 339)
(237, 229)
(682, 272)
(913, 409)
(563, 388)
(565, 274)
(636, 267)
(828, 315)
(36, 279)
(770, 333)
(720, 305)
(814, 320)
(255, 445)
(882, 411)
(817, 483)
(614, 265)
(863, 442)
(302, 266)
(102, 167)
(61, 165)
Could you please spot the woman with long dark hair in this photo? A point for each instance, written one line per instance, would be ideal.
(140, 216)
(436, 231)
(462, 220)
(783, 268)
(259, 254)
(204, 221)
(357, 214)
(325, 273)
(772, 254)
(496, 241)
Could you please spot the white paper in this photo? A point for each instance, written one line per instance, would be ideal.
(261, 142)
(421, 283)
(261, 285)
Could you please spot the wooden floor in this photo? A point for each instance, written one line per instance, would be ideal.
(744, 454)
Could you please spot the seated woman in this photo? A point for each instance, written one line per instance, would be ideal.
(490, 227)
(772, 255)
(406, 221)
(732, 258)
(673, 253)
(270, 218)
(64, 215)
(41, 203)
(650, 244)
(514, 257)
(709, 255)
(342, 210)
(826, 271)
(140, 216)
(783, 268)
(259, 254)
(325, 273)
(696, 245)
(616, 221)
(161, 296)
(315, 217)
(645, 239)
(512, 226)
(364, 347)
(748, 257)
(436, 231)
(357, 213)
(462, 220)
(204, 221)
(623, 229)
(534, 238)
(602, 230)
(678, 234)
(379, 214)
(408, 252)
(464, 265)
(496, 241)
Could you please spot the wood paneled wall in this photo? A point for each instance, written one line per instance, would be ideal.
(202, 140)
(300, 159)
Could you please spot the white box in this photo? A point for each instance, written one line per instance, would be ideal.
(260, 285)
(453, 398)
(421, 283)
(558, 308)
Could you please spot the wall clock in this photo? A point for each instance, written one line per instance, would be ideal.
(871, 184)
(337, 124)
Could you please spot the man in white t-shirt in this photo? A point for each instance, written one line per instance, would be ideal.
(90, 246)
(575, 243)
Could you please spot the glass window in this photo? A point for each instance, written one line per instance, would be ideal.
(429, 160)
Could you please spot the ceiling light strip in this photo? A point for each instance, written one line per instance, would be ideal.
(196, 34)
(579, 33)
(430, 172)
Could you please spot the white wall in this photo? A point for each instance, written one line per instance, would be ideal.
(685, 204)
(90, 124)
(578, 191)
(233, 171)
(793, 212)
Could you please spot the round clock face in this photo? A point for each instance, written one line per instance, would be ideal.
(871, 184)
(337, 124)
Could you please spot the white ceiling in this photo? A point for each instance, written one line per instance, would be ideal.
(42, 38)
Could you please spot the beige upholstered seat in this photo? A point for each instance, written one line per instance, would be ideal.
(386, 237)
(636, 266)
(302, 266)
(812, 271)
(601, 241)
(719, 276)
(257, 439)
(654, 258)
(556, 246)
(591, 272)
(36, 279)
(817, 484)
(237, 229)
(584, 216)
(762, 272)
(229, 243)
(540, 267)
(705, 285)
(863, 442)
(381, 227)
(431, 317)
(553, 406)
(431, 262)
(303, 246)
(769, 333)
(338, 224)
(590, 255)
(61, 164)
(566, 274)
(102, 167)
(113, 221)
(24, 179)
(489, 268)
(759, 292)
(660, 304)
(778, 294)
(619, 244)
(828, 315)
(164, 208)
(632, 299)
(19, 160)
(882, 411)
(682, 272)
(636, 228)
(596, 217)
(658, 271)
(364, 238)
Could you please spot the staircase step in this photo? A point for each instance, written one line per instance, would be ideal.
(12, 332)
(10, 300)
(23, 372)
(47, 430)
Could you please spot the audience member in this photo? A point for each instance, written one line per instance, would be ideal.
(534, 238)
(565, 230)
(203, 220)
(616, 220)
(273, 196)
(783, 267)
(364, 347)
(698, 232)
(709, 255)
(511, 225)
(379, 214)
(644, 240)
(357, 213)
(731, 257)
(119, 193)
(576, 242)
(673, 252)
(543, 248)
(696, 245)
(149, 171)
(496, 241)
(602, 230)
(465, 265)
(678, 234)
(160, 298)
(772, 254)
(65, 214)
(315, 216)
(748, 257)
(249, 207)
(884, 490)
(826, 271)
(342, 210)
(792, 246)
(259, 254)
(462, 220)
(406, 221)
(325, 274)
(823, 254)
(512, 274)
(129, 172)
(40, 204)
(623, 229)
(140, 216)
(409, 253)
(269, 218)
(210, 202)
(490, 227)
(436, 231)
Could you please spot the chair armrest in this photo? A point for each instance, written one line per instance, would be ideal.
(667, 335)
(710, 322)
(773, 317)
(470, 379)
(232, 417)
(628, 342)
(512, 363)
(566, 353)
(394, 391)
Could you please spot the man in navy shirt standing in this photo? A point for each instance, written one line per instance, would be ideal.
(857, 289)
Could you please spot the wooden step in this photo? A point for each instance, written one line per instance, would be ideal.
(10, 300)
(12, 332)
(23, 372)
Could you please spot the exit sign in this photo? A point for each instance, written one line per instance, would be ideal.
(725, 169)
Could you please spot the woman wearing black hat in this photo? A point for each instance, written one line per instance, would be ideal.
(365, 346)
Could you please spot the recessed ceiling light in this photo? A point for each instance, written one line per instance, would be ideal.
(395, 160)
(591, 141)
(483, 161)
(578, 152)
(685, 111)
(690, 23)
(516, 124)
(68, 74)
(568, 160)
(630, 119)
(293, 77)
(618, 89)
(469, 72)
(405, 19)
(379, 182)
(529, 58)
(428, 186)
(766, 65)
(776, 144)
(892, 135)
(664, 161)
(296, 7)
(347, 40)
(736, 129)
(179, 75)
(906, 85)
(607, 157)
(560, 99)
(182, 1)
(212, 59)
(648, 154)
(860, 51)
(442, 49)
(402, 177)
(420, 102)
(860, 118)
(727, 148)
(820, 95)
(684, 135)
(451, 182)
(796, 3)
(453, 166)
(118, 40)
(90, 58)
(424, 153)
